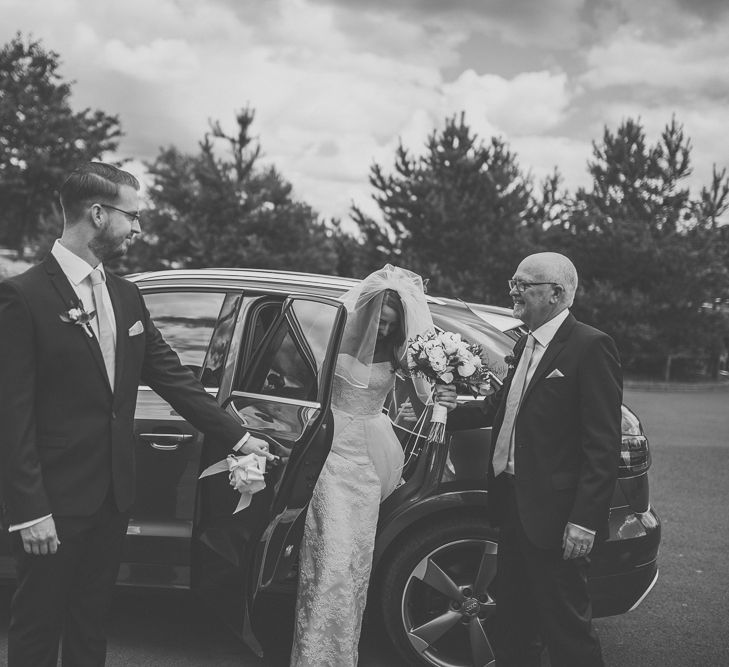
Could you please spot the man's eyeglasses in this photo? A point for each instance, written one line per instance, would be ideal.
(521, 286)
(132, 215)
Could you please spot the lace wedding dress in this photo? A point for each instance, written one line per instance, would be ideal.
(363, 468)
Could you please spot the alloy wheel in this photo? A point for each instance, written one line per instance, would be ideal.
(447, 604)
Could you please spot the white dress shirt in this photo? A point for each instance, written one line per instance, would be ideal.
(78, 271)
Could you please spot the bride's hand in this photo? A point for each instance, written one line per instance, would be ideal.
(406, 412)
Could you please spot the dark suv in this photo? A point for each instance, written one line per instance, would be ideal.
(265, 343)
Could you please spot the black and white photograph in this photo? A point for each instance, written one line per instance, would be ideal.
(377, 334)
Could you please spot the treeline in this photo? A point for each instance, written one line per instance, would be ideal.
(652, 255)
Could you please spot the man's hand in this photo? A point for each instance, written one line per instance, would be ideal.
(40, 539)
(446, 395)
(258, 446)
(576, 542)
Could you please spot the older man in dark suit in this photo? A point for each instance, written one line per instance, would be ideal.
(553, 468)
(67, 401)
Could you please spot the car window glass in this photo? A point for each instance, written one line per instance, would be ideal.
(186, 320)
(215, 361)
(294, 354)
(263, 318)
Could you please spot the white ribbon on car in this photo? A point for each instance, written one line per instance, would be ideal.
(245, 474)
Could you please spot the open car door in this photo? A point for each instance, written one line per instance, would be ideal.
(282, 395)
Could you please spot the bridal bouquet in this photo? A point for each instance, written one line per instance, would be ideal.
(445, 358)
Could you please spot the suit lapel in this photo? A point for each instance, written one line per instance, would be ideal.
(69, 299)
(121, 333)
(550, 354)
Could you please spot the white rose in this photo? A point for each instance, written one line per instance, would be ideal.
(450, 342)
(447, 377)
(438, 357)
(463, 350)
(438, 365)
(466, 370)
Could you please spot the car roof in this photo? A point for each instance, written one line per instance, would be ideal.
(295, 281)
(496, 316)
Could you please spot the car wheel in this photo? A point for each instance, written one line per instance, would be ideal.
(436, 595)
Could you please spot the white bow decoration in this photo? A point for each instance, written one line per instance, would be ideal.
(245, 474)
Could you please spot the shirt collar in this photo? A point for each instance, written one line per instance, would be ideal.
(75, 268)
(544, 334)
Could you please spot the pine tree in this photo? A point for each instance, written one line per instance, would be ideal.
(645, 249)
(461, 214)
(221, 207)
(42, 139)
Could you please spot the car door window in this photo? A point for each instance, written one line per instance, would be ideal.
(294, 358)
(263, 313)
(187, 321)
(215, 361)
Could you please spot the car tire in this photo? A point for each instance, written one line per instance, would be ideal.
(436, 594)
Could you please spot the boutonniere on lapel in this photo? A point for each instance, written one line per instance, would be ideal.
(78, 316)
(510, 360)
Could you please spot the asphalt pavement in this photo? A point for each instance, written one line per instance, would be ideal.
(684, 621)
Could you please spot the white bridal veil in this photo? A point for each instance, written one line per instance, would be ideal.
(364, 304)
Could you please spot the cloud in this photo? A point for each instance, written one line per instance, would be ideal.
(540, 155)
(336, 83)
(664, 60)
(161, 61)
(528, 103)
(698, 62)
(547, 23)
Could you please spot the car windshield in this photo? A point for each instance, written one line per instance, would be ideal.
(495, 345)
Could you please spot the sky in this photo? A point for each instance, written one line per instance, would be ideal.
(336, 84)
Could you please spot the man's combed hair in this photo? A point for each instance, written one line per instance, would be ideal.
(90, 183)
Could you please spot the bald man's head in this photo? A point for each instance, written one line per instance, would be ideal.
(544, 285)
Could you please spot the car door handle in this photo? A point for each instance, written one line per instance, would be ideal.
(165, 442)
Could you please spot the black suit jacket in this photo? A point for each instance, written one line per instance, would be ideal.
(66, 434)
(567, 435)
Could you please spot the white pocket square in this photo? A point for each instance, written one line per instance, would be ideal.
(136, 328)
(556, 373)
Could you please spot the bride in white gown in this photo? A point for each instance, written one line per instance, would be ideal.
(362, 469)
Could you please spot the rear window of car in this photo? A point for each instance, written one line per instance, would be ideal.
(186, 320)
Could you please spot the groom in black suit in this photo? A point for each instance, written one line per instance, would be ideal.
(553, 468)
(67, 400)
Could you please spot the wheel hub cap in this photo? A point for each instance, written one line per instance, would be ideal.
(470, 607)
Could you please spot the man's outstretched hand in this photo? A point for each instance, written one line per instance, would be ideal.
(258, 446)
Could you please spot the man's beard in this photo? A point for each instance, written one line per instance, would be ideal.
(106, 248)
